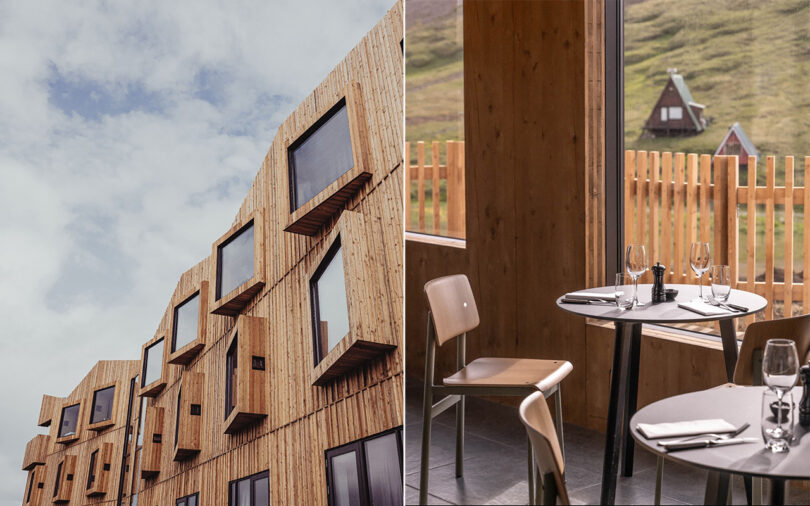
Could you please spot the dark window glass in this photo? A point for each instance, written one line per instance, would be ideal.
(153, 363)
(345, 480)
(177, 420)
(235, 261)
(140, 423)
(189, 500)
(102, 404)
(368, 471)
(58, 479)
(186, 317)
(30, 484)
(330, 308)
(384, 470)
(69, 421)
(250, 491)
(91, 476)
(320, 156)
(230, 378)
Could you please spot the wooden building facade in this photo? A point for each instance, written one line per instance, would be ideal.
(275, 375)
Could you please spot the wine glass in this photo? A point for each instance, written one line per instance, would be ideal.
(636, 263)
(700, 260)
(780, 372)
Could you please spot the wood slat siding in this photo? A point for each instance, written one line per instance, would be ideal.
(303, 420)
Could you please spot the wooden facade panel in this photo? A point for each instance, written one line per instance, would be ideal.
(153, 434)
(35, 452)
(47, 410)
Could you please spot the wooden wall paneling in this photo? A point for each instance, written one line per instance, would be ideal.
(153, 434)
(35, 452)
(47, 410)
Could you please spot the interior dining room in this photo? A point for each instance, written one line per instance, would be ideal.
(600, 309)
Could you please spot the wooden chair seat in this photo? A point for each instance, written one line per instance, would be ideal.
(511, 372)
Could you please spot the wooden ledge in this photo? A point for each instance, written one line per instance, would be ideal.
(435, 240)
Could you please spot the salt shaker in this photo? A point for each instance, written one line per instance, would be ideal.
(804, 405)
(658, 291)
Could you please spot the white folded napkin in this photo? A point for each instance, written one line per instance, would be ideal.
(703, 308)
(586, 295)
(688, 428)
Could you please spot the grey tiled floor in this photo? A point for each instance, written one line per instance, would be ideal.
(495, 465)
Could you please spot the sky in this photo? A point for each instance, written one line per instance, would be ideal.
(130, 132)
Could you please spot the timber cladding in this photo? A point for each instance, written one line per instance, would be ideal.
(296, 421)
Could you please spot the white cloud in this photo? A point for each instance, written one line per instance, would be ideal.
(129, 135)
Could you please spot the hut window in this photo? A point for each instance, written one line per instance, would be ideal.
(69, 420)
(320, 156)
(235, 261)
(676, 112)
(230, 378)
(186, 318)
(330, 307)
(189, 500)
(153, 363)
(102, 404)
(664, 116)
(250, 491)
(367, 471)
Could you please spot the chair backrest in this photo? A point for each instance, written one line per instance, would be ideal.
(452, 306)
(756, 336)
(535, 415)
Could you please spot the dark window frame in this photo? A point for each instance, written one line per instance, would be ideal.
(177, 419)
(614, 138)
(91, 472)
(233, 487)
(62, 419)
(329, 114)
(146, 361)
(231, 358)
(133, 383)
(183, 501)
(30, 485)
(174, 321)
(358, 447)
(319, 353)
(218, 281)
(93, 404)
(58, 478)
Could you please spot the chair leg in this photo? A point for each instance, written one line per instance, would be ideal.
(530, 460)
(460, 437)
(549, 489)
(659, 478)
(559, 418)
(427, 420)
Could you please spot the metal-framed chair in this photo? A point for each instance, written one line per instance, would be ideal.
(748, 371)
(452, 313)
(548, 458)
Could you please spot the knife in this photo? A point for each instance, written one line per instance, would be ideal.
(738, 308)
(706, 443)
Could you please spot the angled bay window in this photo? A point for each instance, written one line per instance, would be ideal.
(349, 324)
(237, 269)
(188, 415)
(250, 491)
(63, 485)
(152, 442)
(327, 162)
(188, 325)
(35, 452)
(367, 471)
(245, 373)
(153, 367)
(102, 409)
(69, 423)
(36, 484)
(99, 470)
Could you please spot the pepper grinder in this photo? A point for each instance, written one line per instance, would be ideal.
(804, 405)
(658, 291)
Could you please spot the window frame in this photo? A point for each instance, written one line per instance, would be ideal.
(185, 498)
(369, 334)
(63, 485)
(91, 471)
(326, 261)
(186, 353)
(103, 424)
(233, 302)
(77, 434)
(233, 487)
(358, 446)
(249, 336)
(157, 386)
(310, 217)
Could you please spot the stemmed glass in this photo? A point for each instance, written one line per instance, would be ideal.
(636, 263)
(780, 372)
(700, 260)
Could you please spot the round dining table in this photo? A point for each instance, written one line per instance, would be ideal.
(627, 351)
(737, 405)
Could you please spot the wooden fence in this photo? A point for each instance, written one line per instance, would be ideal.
(446, 214)
(672, 200)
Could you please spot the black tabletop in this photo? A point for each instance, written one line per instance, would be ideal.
(663, 312)
(736, 405)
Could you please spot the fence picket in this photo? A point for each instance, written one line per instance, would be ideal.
(691, 208)
(666, 215)
(420, 164)
(435, 199)
(751, 239)
(680, 273)
(770, 176)
(788, 298)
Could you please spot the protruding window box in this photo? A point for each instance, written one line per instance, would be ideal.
(246, 369)
(35, 452)
(188, 415)
(346, 303)
(103, 407)
(152, 442)
(49, 406)
(35, 488)
(188, 325)
(99, 471)
(65, 476)
(327, 163)
(154, 367)
(70, 422)
(237, 270)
